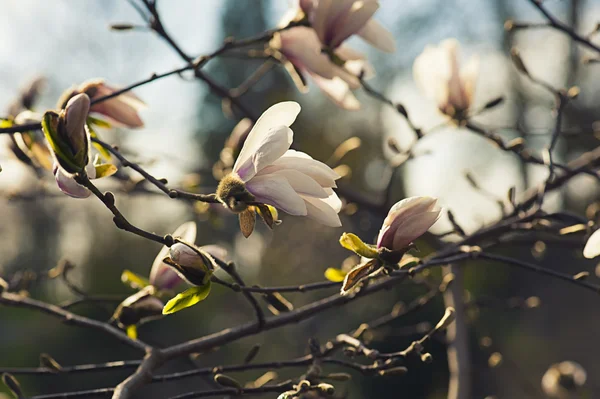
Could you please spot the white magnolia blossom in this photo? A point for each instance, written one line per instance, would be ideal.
(301, 47)
(406, 221)
(438, 74)
(163, 276)
(336, 20)
(288, 180)
(592, 247)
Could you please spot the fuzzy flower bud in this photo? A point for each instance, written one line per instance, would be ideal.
(406, 221)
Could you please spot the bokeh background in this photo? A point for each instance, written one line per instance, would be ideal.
(68, 42)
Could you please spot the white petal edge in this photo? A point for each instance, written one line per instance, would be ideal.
(592, 247)
(277, 191)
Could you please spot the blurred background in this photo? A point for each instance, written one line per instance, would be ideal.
(68, 42)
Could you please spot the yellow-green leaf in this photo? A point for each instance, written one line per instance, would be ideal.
(98, 122)
(187, 298)
(132, 331)
(105, 170)
(133, 280)
(335, 275)
(353, 243)
(50, 122)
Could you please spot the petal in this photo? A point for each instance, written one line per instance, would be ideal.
(302, 162)
(431, 72)
(414, 227)
(398, 214)
(374, 33)
(356, 18)
(69, 186)
(592, 247)
(468, 76)
(321, 211)
(76, 115)
(274, 144)
(303, 48)
(338, 91)
(265, 129)
(119, 113)
(161, 274)
(277, 191)
(300, 182)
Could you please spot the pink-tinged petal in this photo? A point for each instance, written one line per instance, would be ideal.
(592, 247)
(456, 94)
(68, 185)
(300, 182)
(303, 48)
(375, 34)
(414, 227)
(76, 113)
(162, 275)
(320, 19)
(119, 113)
(267, 129)
(277, 191)
(399, 214)
(338, 91)
(321, 211)
(355, 20)
(306, 6)
(302, 162)
(468, 76)
(272, 146)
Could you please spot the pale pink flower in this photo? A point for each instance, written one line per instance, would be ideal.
(336, 20)
(438, 74)
(592, 247)
(406, 221)
(121, 110)
(275, 175)
(163, 276)
(302, 49)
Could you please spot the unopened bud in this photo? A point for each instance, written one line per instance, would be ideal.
(327, 389)
(226, 381)
(393, 371)
(193, 264)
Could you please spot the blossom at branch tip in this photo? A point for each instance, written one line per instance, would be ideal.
(406, 221)
(336, 20)
(268, 172)
(592, 247)
(121, 110)
(440, 77)
(336, 74)
(165, 277)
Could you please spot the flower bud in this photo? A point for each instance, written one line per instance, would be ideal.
(406, 221)
(138, 308)
(194, 265)
(67, 135)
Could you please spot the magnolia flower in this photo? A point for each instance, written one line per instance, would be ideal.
(165, 277)
(438, 74)
(592, 247)
(267, 172)
(121, 110)
(336, 20)
(406, 221)
(301, 49)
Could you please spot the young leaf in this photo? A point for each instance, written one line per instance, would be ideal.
(353, 243)
(132, 331)
(187, 298)
(133, 280)
(105, 170)
(335, 275)
(359, 273)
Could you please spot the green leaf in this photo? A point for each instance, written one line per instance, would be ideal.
(50, 122)
(353, 243)
(105, 170)
(98, 122)
(187, 298)
(133, 280)
(335, 275)
(93, 134)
